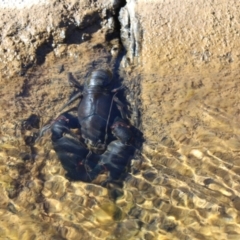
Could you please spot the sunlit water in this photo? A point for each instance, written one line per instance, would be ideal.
(184, 184)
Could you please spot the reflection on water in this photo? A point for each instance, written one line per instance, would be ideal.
(184, 185)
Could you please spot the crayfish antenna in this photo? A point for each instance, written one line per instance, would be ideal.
(76, 84)
(119, 88)
(42, 131)
(76, 96)
(72, 81)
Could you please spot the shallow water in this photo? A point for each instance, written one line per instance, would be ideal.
(184, 184)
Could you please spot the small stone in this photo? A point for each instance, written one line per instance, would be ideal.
(60, 68)
(86, 36)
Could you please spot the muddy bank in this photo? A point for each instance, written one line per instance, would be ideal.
(32, 30)
(180, 62)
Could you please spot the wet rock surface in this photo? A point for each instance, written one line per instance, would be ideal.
(181, 69)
